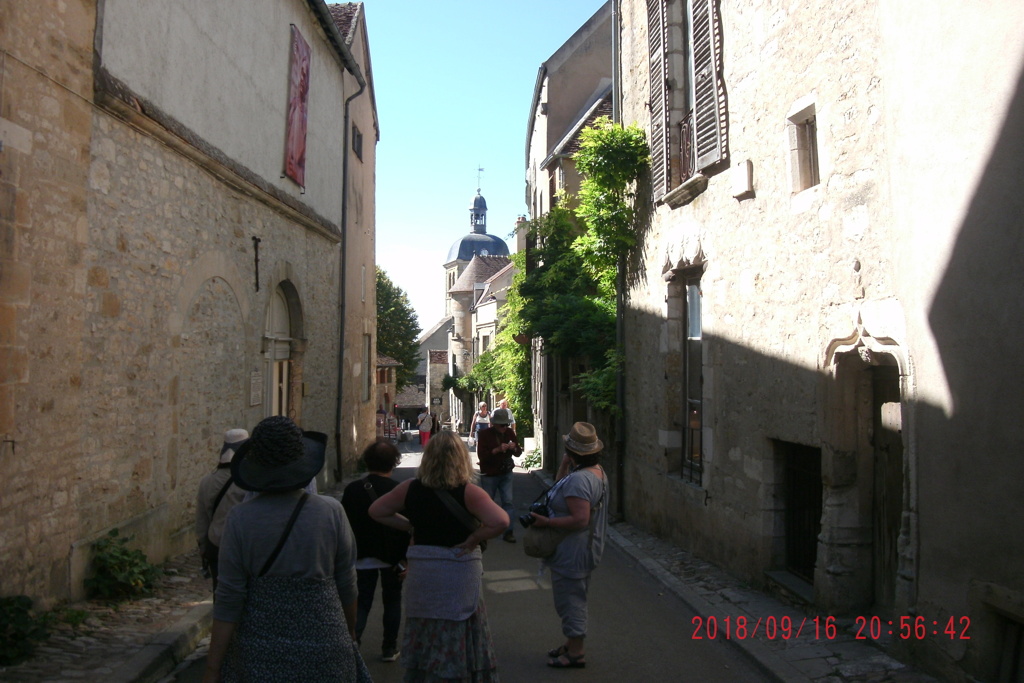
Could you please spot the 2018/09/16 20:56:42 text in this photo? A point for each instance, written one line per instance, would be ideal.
(825, 628)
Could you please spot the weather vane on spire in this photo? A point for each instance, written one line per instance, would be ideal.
(479, 170)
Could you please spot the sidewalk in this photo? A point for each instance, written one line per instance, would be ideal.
(145, 640)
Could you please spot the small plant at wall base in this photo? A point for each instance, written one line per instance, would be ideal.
(20, 630)
(120, 572)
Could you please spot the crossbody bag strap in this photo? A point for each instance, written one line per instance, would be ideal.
(368, 487)
(462, 514)
(220, 495)
(284, 536)
(600, 502)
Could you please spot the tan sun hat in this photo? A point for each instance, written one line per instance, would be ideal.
(582, 439)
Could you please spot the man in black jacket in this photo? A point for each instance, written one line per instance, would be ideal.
(495, 449)
(381, 549)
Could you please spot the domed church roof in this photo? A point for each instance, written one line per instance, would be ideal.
(478, 242)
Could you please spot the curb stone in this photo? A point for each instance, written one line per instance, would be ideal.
(168, 648)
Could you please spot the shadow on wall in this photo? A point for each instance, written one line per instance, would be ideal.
(977, 318)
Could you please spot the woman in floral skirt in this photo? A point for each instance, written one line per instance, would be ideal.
(446, 632)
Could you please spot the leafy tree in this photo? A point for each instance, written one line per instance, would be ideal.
(397, 328)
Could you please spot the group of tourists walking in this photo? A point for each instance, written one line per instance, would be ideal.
(296, 573)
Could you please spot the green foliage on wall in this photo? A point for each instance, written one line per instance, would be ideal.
(397, 328)
(566, 294)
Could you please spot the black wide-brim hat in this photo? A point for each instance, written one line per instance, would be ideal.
(251, 475)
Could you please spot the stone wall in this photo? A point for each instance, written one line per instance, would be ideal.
(782, 269)
(46, 124)
(870, 316)
(132, 317)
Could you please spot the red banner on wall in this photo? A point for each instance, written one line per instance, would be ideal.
(298, 103)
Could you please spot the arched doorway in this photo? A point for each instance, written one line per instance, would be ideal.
(283, 348)
(865, 478)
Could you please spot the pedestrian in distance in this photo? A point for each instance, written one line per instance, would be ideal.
(503, 403)
(495, 450)
(578, 503)
(381, 548)
(481, 420)
(286, 599)
(446, 632)
(424, 423)
(217, 495)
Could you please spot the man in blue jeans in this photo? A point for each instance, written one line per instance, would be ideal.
(495, 449)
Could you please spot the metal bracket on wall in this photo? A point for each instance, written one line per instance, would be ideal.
(256, 248)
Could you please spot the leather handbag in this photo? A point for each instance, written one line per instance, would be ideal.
(542, 542)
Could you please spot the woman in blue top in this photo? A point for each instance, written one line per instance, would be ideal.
(579, 506)
(446, 632)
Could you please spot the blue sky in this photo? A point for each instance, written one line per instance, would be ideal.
(454, 82)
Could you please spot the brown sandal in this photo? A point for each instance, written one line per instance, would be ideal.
(567, 661)
(558, 651)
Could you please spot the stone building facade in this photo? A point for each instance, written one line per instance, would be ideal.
(822, 311)
(161, 280)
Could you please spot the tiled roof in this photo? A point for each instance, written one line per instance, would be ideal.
(603, 108)
(386, 361)
(479, 270)
(344, 16)
(570, 142)
(501, 272)
(491, 286)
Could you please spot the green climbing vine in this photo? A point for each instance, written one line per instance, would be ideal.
(566, 294)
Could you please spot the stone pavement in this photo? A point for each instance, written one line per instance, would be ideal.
(147, 640)
(135, 640)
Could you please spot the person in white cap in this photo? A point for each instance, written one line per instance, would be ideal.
(217, 495)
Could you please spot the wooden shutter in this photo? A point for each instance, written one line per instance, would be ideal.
(708, 107)
(660, 150)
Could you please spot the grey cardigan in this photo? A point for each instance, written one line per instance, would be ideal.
(321, 545)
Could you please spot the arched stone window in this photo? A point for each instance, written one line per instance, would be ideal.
(283, 348)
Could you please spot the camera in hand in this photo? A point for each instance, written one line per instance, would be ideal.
(538, 507)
